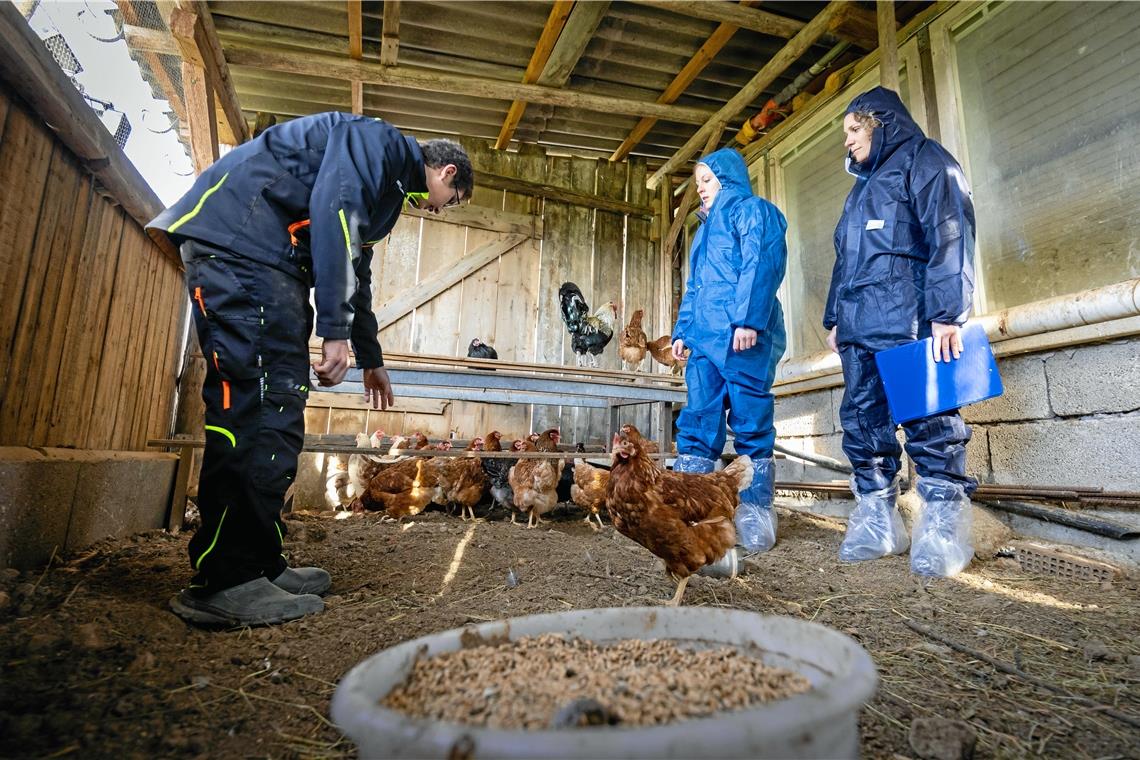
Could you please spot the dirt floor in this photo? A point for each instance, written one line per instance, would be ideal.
(94, 664)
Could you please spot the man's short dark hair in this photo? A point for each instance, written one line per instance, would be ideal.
(438, 153)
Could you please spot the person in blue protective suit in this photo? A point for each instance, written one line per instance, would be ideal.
(297, 208)
(734, 327)
(903, 271)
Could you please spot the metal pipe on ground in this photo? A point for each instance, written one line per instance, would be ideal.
(1079, 520)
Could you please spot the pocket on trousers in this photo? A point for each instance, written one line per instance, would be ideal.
(280, 439)
(232, 321)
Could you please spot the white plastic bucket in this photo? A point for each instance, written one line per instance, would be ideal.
(819, 723)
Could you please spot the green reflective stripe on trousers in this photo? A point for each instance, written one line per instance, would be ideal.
(210, 548)
(198, 206)
(226, 433)
(347, 238)
(280, 535)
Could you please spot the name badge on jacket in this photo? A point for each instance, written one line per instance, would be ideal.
(875, 224)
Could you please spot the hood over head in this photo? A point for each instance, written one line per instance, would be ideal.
(897, 127)
(730, 170)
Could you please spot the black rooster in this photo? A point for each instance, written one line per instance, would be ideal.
(589, 333)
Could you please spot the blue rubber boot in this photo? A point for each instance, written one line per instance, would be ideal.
(941, 544)
(755, 517)
(875, 527)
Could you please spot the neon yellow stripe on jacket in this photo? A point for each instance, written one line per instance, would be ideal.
(198, 206)
(347, 238)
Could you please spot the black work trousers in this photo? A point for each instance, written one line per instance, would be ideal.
(253, 324)
(937, 444)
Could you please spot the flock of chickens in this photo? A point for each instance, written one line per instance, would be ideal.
(686, 519)
(590, 333)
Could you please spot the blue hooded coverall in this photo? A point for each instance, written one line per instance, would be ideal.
(249, 280)
(904, 258)
(736, 264)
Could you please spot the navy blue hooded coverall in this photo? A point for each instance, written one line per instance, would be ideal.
(736, 263)
(249, 280)
(904, 258)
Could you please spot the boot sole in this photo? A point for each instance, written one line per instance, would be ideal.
(213, 616)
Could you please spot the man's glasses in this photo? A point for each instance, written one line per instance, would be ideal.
(454, 199)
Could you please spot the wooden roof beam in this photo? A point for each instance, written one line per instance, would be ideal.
(323, 65)
(787, 55)
(156, 42)
(685, 77)
(356, 49)
(542, 49)
(764, 22)
(390, 33)
(573, 197)
(205, 38)
(579, 30)
(888, 45)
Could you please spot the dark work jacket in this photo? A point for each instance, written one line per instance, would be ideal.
(348, 174)
(736, 265)
(905, 243)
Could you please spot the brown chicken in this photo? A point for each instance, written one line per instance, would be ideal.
(684, 518)
(461, 480)
(632, 342)
(363, 467)
(662, 352)
(535, 481)
(405, 488)
(589, 491)
(648, 446)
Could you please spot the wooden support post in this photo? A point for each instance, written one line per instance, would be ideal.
(390, 33)
(888, 45)
(201, 114)
(192, 27)
(356, 50)
(177, 507)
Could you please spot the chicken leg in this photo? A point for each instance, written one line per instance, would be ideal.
(676, 600)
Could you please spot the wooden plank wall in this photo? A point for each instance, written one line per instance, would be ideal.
(512, 302)
(91, 311)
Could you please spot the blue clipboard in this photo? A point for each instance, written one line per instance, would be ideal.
(918, 387)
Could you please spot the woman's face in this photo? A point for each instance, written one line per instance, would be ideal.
(707, 185)
(857, 138)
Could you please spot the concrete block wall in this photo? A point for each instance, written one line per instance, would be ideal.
(64, 499)
(1067, 417)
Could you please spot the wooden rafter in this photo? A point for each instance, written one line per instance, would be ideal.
(390, 33)
(787, 55)
(579, 30)
(573, 197)
(217, 70)
(356, 49)
(150, 56)
(703, 57)
(745, 18)
(324, 65)
(554, 23)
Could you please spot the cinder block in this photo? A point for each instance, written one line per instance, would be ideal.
(805, 414)
(119, 494)
(35, 506)
(1095, 379)
(1094, 451)
(1026, 395)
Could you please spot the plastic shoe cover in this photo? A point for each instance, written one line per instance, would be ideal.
(941, 543)
(256, 602)
(303, 580)
(875, 527)
(728, 566)
(755, 517)
(693, 463)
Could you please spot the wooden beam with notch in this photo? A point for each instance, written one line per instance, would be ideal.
(209, 53)
(685, 77)
(764, 22)
(573, 197)
(550, 32)
(420, 294)
(856, 25)
(390, 33)
(484, 218)
(356, 49)
(330, 66)
(776, 66)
